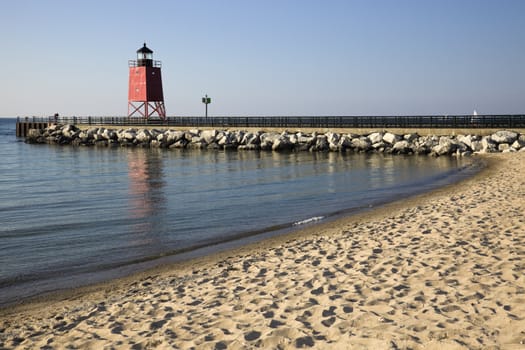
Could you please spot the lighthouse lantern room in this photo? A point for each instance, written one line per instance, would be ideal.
(145, 97)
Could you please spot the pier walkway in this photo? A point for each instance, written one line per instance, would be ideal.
(508, 121)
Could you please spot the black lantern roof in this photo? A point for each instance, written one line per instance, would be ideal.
(144, 49)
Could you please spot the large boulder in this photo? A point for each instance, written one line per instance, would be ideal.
(332, 138)
(69, 130)
(505, 147)
(143, 136)
(391, 138)
(402, 147)
(237, 137)
(251, 138)
(380, 146)
(465, 139)
(33, 135)
(282, 144)
(171, 136)
(127, 135)
(267, 140)
(361, 144)
(446, 146)
(88, 135)
(321, 143)
(209, 136)
(333, 141)
(518, 144)
(411, 137)
(504, 136)
(476, 146)
(345, 142)
(488, 145)
(306, 140)
(375, 137)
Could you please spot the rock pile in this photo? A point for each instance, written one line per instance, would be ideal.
(380, 142)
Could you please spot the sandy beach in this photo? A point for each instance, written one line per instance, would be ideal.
(443, 270)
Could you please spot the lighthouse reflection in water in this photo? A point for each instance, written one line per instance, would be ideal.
(147, 202)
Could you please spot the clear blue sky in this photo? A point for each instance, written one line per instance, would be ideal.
(267, 57)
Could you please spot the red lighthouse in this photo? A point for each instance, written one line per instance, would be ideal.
(145, 97)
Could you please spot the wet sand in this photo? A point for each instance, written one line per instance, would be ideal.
(440, 270)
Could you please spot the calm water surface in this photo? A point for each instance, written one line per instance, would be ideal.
(71, 216)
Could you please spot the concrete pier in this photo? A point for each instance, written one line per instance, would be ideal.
(23, 127)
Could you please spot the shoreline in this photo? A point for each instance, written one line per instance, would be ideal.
(402, 273)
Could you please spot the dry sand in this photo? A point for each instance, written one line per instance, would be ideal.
(443, 270)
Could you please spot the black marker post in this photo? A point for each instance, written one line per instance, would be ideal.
(206, 100)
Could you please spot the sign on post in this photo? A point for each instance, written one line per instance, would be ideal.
(206, 100)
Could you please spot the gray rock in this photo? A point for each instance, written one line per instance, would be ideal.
(487, 145)
(209, 136)
(361, 144)
(411, 137)
(476, 146)
(225, 140)
(156, 132)
(197, 145)
(375, 137)
(421, 149)
(181, 143)
(518, 144)
(502, 147)
(345, 142)
(391, 138)
(198, 139)
(33, 134)
(251, 139)
(321, 144)
(54, 127)
(306, 140)
(402, 147)
(266, 145)
(466, 140)
(380, 146)
(143, 136)
(155, 144)
(85, 136)
(69, 130)
(171, 136)
(188, 135)
(504, 136)
(332, 138)
(269, 137)
(128, 135)
(238, 136)
(446, 146)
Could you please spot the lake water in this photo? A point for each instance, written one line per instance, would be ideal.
(71, 216)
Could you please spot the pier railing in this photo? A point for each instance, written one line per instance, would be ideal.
(430, 121)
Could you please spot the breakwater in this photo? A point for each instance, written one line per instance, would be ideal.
(380, 142)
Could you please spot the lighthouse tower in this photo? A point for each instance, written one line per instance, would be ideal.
(145, 97)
